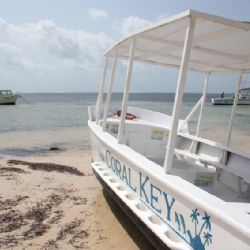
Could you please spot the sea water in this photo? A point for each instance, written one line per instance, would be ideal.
(45, 118)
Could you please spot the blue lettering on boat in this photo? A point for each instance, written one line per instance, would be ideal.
(113, 163)
(169, 204)
(124, 175)
(108, 155)
(150, 194)
(142, 185)
(118, 168)
(154, 198)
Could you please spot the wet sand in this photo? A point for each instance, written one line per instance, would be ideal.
(52, 200)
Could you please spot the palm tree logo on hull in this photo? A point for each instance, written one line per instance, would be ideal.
(202, 232)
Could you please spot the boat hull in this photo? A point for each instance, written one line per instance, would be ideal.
(8, 100)
(229, 101)
(163, 204)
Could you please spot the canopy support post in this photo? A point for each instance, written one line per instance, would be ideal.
(229, 131)
(126, 92)
(112, 77)
(203, 102)
(179, 96)
(100, 92)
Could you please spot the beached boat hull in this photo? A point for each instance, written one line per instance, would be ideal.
(229, 101)
(166, 205)
(8, 100)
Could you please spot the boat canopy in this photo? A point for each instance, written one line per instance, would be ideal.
(191, 40)
(219, 44)
(5, 92)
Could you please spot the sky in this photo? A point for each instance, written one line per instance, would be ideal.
(58, 45)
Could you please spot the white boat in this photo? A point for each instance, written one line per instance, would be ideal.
(181, 190)
(7, 97)
(243, 99)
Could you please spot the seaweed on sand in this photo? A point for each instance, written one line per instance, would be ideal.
(74, 229)
(39, 213)
(69, 228)
(12, 170)
(10, 203)
(78, 200)
(49, 167)
(11, 221)
(36, 229)
(49, 245)
(9, 241)
(58, 214)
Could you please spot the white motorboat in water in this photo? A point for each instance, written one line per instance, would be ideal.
(181, 190)
(243, 99)
(7, 97)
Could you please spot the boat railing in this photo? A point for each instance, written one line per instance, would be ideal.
(213, 154)
(191, 113)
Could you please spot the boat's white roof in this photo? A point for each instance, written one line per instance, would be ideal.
(219, 44)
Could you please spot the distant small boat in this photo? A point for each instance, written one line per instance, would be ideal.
(7, 97)
(244, 98)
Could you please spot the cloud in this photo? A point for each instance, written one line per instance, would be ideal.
(75, 48)
(12, 58)
(95, 14)
(43, 45)
(131, 24)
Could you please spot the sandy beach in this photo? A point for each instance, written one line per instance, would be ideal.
(52, 200)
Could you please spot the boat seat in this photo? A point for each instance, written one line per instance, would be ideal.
(206, 160)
